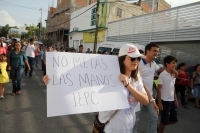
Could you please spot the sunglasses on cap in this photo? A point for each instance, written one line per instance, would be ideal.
(133, 59)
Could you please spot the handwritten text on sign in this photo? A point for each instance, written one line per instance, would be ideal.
(82, 83)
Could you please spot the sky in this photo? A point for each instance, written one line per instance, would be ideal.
(20, 12)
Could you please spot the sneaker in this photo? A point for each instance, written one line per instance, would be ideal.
(1, 97)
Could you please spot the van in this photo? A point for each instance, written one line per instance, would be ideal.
(113, 47)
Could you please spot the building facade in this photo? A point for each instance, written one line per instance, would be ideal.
(82, 29)
(122, 10)
(14, 31)
(58, 20)
(158, 5)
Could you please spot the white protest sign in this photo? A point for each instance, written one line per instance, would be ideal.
(83, 83)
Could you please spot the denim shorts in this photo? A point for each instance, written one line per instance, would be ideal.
(196, 91)
(169, 112)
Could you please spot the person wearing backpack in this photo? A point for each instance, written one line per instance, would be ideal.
(195, 85)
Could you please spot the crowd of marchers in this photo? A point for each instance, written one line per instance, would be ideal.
(137, 76)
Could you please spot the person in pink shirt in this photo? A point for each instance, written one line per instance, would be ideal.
(2, 49)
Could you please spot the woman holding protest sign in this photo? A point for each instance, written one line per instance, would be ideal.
(123, 120)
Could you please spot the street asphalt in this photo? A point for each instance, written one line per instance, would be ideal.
(27, 113)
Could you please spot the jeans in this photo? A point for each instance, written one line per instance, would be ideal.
(16, 75)
(197, 91)
(152, 118)
(31, 62)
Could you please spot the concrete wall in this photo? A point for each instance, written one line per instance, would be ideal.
(187, 51)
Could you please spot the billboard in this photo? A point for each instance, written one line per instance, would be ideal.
(88, 37)
(103, 13)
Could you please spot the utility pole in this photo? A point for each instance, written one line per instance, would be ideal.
(152, 5)
(40, 28)
(97, 24)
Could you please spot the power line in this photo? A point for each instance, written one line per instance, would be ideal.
(22, 17)
(13, 4)
(74, 17)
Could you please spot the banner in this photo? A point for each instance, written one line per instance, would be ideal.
(83, 83)
(103, 14)
(88, 37)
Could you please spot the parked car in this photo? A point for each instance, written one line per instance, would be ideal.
(113, 47)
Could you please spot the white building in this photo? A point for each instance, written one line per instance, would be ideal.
(20, 30)
(82, 27)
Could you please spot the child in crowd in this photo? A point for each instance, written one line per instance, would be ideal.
(3, 74)
(167, 100)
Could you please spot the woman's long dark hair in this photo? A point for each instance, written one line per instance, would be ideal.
(195, 68)
(123, 70)
(180, 65)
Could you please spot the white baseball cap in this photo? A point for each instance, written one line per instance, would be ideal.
(130, 50)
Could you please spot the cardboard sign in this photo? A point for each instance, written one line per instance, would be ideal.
(83, 83)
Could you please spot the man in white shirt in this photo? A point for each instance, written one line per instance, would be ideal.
(30, 53)
(147, 68)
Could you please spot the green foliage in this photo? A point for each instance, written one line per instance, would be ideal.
(4, 31)
(33, 31)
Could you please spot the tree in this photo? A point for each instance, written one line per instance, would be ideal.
(4, 31)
